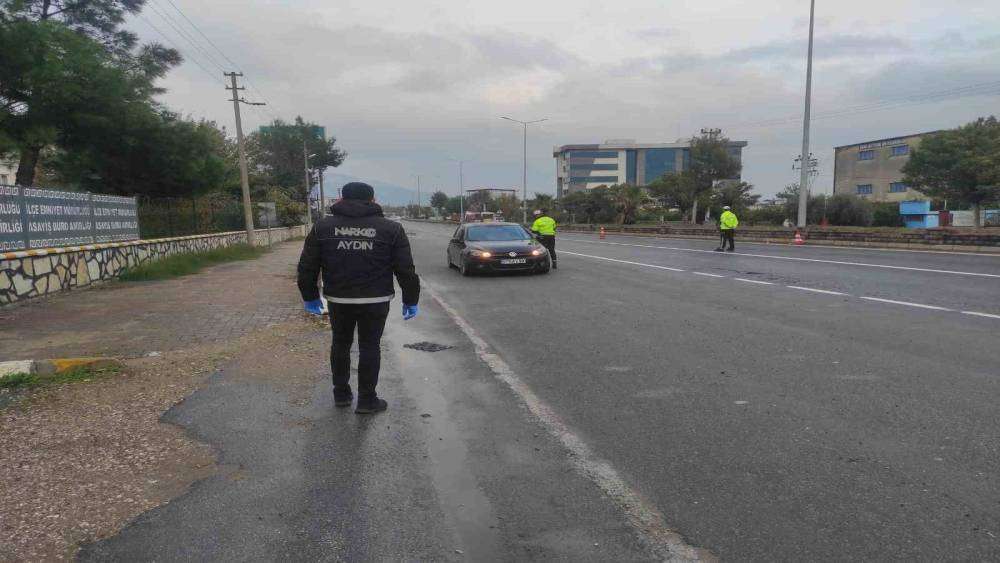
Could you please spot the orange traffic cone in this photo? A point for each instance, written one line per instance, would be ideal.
(602, 233)
(799, 241)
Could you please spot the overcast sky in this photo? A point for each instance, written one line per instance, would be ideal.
(404, 85)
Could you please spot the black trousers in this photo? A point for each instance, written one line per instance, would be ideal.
(549, 242)
(728, 236)
(369, 320)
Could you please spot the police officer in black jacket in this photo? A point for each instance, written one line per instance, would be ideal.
(358, 251)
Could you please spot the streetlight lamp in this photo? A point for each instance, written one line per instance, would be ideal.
(524, 177)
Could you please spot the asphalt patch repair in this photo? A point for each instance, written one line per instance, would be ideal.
(428, 347)
(81, 460)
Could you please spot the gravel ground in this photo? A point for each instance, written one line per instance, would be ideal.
(79, 461)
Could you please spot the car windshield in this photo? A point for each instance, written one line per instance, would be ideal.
(496, 233)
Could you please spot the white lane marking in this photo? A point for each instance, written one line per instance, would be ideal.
(707, 274)
(814, 290)
(646, 518)
(908, 304)
(978, 314)
(811, 245)
(622, 261)
(838, 262)
(753, 281)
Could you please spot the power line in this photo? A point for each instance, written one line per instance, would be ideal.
(224, 56)
(178, 47)
(184, 35)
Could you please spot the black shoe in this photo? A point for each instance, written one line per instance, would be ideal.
(729, 250)
(343, 397)
(719, 249)
(369, 406)
(554, 266)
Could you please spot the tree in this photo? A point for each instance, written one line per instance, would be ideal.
(542, 201)
(594, 205)
(738, 195)
(627, 199)
(710, 162)
(67, 73)
(675, 189)
(439, 200)
(277, 157)
(152, 153)
(961, 164)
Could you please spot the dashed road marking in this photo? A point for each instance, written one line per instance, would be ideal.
(810, 289)
(645, 517)
(907, 303)
(814, 290)
(978, 314)
(753, 281)
(771, 256)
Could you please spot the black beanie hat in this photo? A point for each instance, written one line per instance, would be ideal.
(358, 190)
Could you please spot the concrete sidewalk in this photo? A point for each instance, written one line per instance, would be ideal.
(132, 319)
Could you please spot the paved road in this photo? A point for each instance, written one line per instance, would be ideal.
(775, 404)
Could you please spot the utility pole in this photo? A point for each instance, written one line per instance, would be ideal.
(804, 177)
(244, 175)
(322, 197)
(305, 157)
(524, 171)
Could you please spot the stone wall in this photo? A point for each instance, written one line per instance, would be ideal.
(38, 273)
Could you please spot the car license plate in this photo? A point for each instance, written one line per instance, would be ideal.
(514, 261)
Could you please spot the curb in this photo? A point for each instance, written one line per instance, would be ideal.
(55, 366)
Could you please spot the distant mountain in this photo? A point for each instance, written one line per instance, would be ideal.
(385, 193)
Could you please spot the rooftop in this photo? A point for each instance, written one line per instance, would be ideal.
(887, 139)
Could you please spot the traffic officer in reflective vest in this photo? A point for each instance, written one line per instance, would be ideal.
(727, 227)
(544, 228)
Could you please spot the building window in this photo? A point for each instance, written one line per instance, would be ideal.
(864, 189)
(866, 155)
(586, 167)
(897, 187)
(594, 180)
(900, 150)
(3, 179)
(593, 154)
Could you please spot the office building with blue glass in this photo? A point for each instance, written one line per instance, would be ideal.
(584, 167)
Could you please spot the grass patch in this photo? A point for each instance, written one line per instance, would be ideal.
(184, 264)
(20, 381)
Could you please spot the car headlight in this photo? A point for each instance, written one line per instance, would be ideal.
(536, 252)
(481, 253)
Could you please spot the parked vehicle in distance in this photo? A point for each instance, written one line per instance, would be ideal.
(496, 247)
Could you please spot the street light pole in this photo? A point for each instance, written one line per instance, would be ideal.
(524, 171)
(461, 190)
(804, 177)
(305, 156)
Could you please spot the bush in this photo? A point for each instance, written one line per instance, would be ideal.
(849, 210)
(767, 215)
(887, 215)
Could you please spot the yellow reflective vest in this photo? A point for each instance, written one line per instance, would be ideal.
(544, 225)
(728, 221)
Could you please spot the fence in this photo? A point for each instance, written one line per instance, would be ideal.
(173, 217)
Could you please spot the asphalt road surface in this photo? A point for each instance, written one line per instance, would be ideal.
(649, 400)
(778, 403)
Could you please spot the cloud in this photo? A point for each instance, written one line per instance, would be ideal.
(405, 86)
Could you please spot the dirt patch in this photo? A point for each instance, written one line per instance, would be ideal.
(79, 461)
